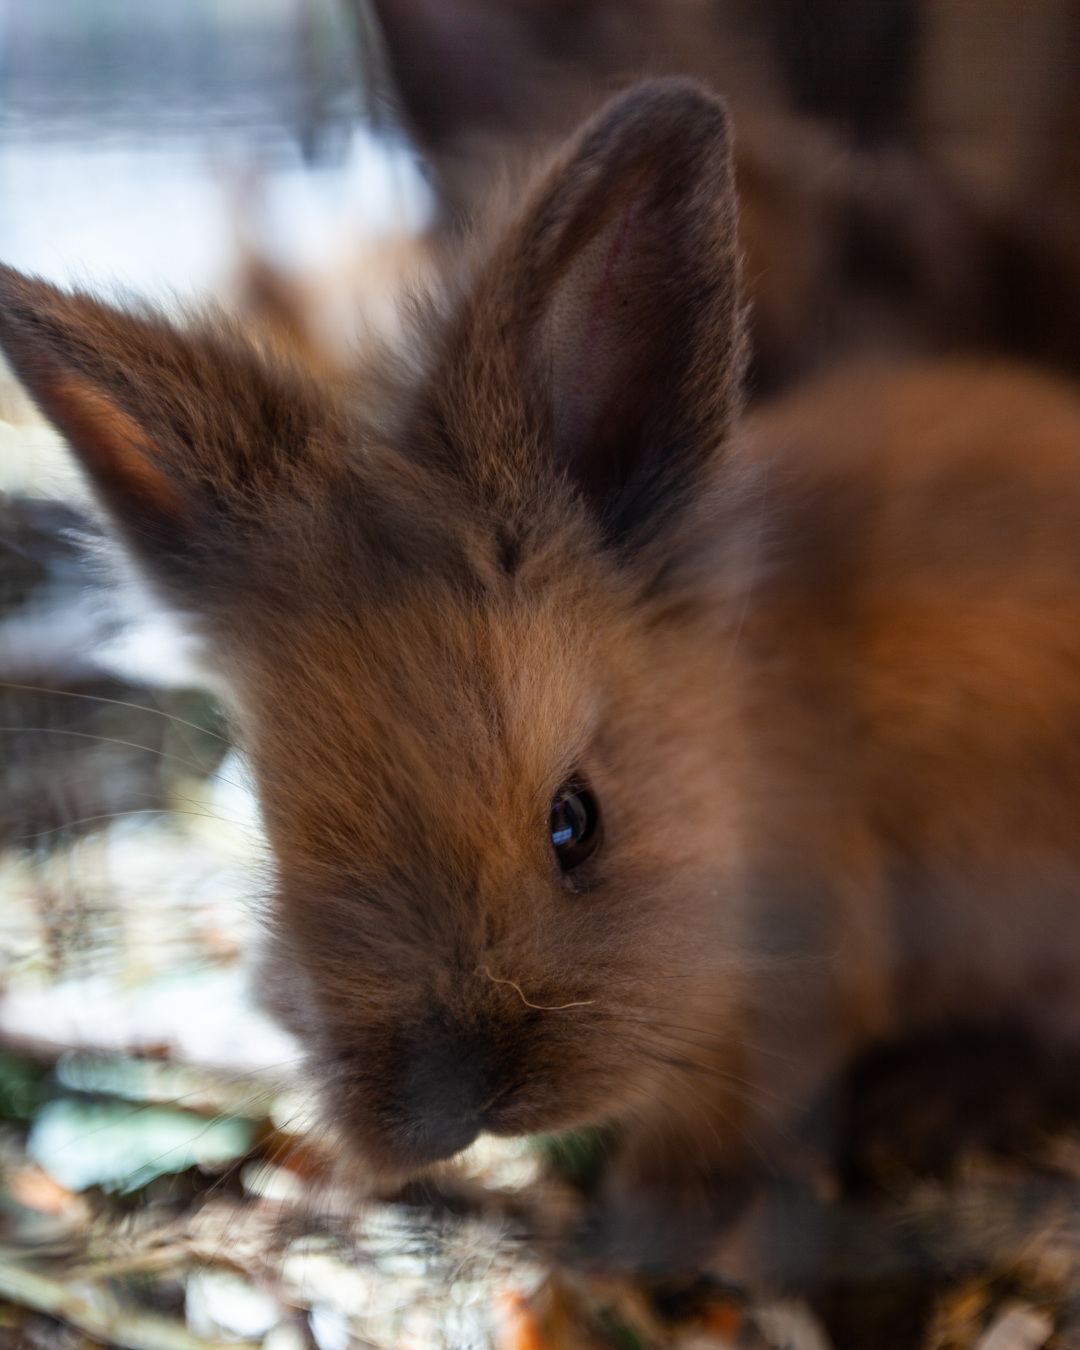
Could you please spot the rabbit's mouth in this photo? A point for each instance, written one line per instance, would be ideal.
(443, 1085)
(438, 1134)
(405, 1146)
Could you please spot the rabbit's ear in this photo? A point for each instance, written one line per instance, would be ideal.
(618, 297)
(186, 437)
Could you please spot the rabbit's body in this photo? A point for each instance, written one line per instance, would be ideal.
(619, 766)
(910, 648)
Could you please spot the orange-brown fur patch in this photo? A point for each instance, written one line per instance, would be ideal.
(119, 445)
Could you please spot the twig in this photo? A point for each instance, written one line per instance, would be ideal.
(100, 1316)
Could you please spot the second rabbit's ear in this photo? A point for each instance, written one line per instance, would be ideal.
(614, 305)
(187, 438)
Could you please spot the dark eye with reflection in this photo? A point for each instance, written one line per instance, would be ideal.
(575, 824)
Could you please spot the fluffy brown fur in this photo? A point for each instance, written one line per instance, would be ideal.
(821, 668)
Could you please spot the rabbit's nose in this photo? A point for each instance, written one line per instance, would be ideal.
(446, 1087)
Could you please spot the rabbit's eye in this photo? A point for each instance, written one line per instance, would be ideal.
(575, 824)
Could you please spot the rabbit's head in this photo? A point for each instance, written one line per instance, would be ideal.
(470, 673)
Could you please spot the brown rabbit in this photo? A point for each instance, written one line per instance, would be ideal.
(622, 762)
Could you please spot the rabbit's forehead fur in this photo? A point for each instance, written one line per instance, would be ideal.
(412, 741)
(436, 713)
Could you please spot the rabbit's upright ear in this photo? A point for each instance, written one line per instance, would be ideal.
(616, 301)
(186, 437)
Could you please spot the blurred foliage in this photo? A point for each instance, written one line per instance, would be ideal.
(21, 1086)
(577, 1157)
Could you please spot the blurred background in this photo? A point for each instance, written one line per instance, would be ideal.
(909, 173)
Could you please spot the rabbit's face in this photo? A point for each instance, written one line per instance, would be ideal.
(486, 802)
(473, 692)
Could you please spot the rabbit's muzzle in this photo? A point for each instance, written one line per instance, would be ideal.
(446, 1088)
(415, 1093)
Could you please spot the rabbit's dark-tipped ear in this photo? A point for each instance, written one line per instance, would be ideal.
(185, 436)
(616, 301)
